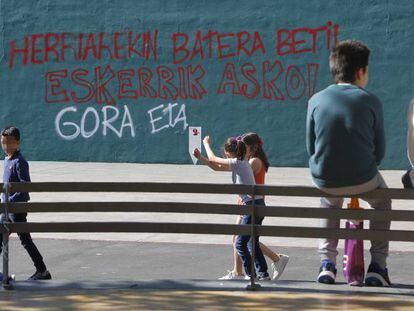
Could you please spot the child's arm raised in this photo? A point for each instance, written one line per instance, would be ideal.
(212, 157)
(213, 166)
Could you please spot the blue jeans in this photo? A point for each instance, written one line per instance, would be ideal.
(26, 240)
(244, 246)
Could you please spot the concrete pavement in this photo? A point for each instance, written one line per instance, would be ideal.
(123, 275)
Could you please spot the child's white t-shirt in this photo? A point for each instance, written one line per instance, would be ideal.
(242, 174)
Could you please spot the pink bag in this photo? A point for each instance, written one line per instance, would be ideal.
(353, 261)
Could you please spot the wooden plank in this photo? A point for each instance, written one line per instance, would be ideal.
(297, 191)
(202, 228)
(390, 193)
(307, 232)
(131, 187)
(305, 191)
(205, 208)
(345, 213)
(153, 207)
(193, 228)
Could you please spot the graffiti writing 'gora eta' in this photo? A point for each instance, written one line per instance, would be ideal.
(71, 123)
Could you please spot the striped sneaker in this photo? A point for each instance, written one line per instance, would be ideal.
(327, 272)
(377, 276)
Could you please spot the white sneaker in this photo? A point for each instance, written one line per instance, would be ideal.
(232, 276)
(279, 266)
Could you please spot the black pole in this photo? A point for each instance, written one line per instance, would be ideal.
(6, 233)
(253, 285)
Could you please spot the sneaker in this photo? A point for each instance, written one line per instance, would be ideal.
(265, 277)
(377, 276)
(327, 272)
(231, 275)
(11, 277)
(260, 278)
(279, 266)
(45, 275)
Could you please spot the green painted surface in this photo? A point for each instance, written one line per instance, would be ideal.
(55, 51)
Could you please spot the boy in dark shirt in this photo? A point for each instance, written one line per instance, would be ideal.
(16, 169)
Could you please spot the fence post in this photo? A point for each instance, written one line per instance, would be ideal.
(253, 285)
(6, 234)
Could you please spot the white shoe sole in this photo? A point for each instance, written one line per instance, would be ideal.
(378, 277)
(282, 267)
(328, 274)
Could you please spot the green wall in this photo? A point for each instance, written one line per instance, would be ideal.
(68, 68)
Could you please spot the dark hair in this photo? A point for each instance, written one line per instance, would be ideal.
(346, 58)
(235, 145)
(256, 146)
(11, 131)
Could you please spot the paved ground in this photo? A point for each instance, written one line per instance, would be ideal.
(164, 276)
(131, 299)
(81, 260)
(158, 271)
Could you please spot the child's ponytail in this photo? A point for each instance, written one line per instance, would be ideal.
(241, 150)
(236, 146)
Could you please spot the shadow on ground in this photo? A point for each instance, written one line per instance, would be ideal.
(208, 295)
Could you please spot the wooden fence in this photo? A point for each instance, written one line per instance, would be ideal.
(199, 208)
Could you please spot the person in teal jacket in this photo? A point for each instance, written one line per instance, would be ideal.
(345, 140)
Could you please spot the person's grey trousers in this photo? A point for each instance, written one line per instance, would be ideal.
(379, 249)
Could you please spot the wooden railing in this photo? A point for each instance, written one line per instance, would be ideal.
(199, 208)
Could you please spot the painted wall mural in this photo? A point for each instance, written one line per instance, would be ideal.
(122, 82)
